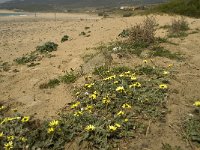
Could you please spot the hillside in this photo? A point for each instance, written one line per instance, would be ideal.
(181, 7)
(46, 5)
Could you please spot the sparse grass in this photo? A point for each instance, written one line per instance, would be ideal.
(178, 28)
(169, 147)
(64, 38)
(47, 47)
(41, 51)
(69, 77)
(161, 52)
(5, 66)
(88, 57)
(27, 58)
(51, 84)
(144, 33)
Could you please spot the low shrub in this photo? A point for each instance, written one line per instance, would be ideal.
(47, 47)
(64, 38)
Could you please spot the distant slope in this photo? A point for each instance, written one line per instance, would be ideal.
(182, 7)
(44, 5)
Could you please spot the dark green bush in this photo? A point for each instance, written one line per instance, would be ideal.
(64, 38)
(47, 47)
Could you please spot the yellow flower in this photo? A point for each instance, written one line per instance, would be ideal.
(165, 72)
(8, 145)
(170, 65)
(10, 138)
(78, 113)
(136, 84)
(121, 75)
(75, 105)
(145, 61)
(106, 100)
(112, 128)
(110, 78)
(163, 86)
(197, 104)
(53, 123)
(23, 139)
(116, 82)
(2, 107)
(117, 125)
(128, 72)
(120, 113)
(50, 130)
(126, 120)
(93, 96)
(89, 108)
(126, 106)
(25, 119)
(120, 89)
(89, 85)
(90, 128)
(133, 78)
(1, 134)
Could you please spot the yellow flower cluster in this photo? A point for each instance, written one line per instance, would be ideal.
(10, 119)
(165, 72)
(197, 104)
(90, 128)
(89, 85)
(106, 100)
(120, 89)
(113, 128)
(10, 138)
(8, 145)
(136, 84)
(89, 108)
(126, 106)
(120, 113)
(75, 105)
(52, 125)
(110, 78)
(78, 113)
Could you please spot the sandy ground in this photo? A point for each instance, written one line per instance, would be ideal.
(20, 35)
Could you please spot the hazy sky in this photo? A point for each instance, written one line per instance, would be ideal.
(3, 1)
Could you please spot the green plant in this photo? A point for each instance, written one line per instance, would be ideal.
(169, 147)
(27, 58)
(51, 84)
(68, 78)
(181, 7)
(104, 113)
(161, 52)
(64, 38)
(144, 33)
(47, 47)
(178, 28)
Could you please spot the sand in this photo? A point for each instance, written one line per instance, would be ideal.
(21, 34)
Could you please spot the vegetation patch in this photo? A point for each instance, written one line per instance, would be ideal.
(5, 66)
(47, 47)
(69, 77)
(192, 124)
(161, 52)
(64, 38)
(182, 7)
(38, 54)
(106, 111)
